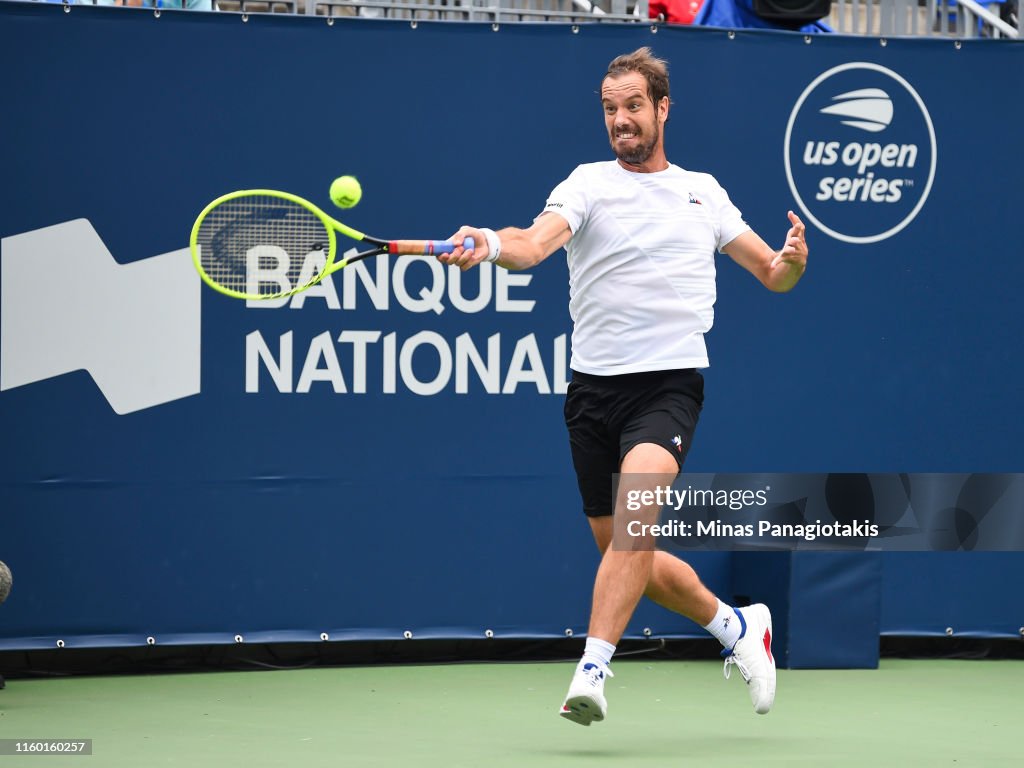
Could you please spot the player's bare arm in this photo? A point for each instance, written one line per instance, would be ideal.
(778, 270)
(520, 248)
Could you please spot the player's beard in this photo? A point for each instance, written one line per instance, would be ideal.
(641, 151)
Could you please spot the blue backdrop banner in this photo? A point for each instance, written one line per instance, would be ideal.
(385, 452)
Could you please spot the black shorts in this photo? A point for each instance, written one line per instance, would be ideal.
(609, 415)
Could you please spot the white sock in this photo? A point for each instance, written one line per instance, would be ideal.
(597, 650)
(726, 625)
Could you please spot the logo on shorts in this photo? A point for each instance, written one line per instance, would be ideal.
(860, 152)
(677, 441)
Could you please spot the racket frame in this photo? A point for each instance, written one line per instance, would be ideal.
(331, 225)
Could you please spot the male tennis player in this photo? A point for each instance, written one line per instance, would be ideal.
(641, 236)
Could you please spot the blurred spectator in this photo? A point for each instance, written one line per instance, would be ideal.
(1010, 13)
(674, 11)
(192, 5)
(737, 14)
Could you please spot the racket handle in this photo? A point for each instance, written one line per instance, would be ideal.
(426, 247)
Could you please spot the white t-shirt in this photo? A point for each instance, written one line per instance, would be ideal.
(642, 265)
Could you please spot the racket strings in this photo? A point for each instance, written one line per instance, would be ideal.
(252, 243)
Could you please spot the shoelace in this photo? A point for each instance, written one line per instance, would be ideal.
(730, 655)
(593, 675)
(729, 661)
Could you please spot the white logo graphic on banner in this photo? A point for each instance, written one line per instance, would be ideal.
(860, 152)
(134, 327)
(869, 109)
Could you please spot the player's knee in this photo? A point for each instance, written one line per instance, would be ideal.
(650, 458)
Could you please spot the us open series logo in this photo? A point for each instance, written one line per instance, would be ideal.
(860, 152)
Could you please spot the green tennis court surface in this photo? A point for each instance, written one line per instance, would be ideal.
(908, 713)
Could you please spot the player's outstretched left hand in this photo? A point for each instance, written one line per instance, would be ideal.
(794, 251)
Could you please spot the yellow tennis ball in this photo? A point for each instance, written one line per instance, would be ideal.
(346, 191)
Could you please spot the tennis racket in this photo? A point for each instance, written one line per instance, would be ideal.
(262, 244)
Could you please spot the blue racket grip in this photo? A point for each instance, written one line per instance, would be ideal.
(425, 247)
(447, 246)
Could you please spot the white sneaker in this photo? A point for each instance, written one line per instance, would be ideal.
(752, 656)
(585, 701)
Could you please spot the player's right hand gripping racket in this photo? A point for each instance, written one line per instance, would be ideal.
(262, 244)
